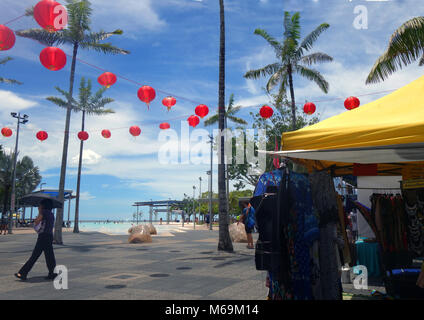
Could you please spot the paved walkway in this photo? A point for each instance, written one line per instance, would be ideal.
(185, 265)
(179, 265)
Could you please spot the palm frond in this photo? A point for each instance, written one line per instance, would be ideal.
(66, 95)
(29, 12)
(211, 120)
(234, 110)
(9, 81)
(58, 101)
(310, 39)
(294, 30)
(273, 81)
(421, 63)
(267, 70)
(46, 38)
(106, 48)
(99, 112)
(318, 57)
(5, 60)
(237, 120)
(273, 42)
(230, 103)
(406, 45)
(313, 75)
(94, 37)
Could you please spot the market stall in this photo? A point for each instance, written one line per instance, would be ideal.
(382, 138)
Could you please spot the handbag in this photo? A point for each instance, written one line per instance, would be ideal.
(39, 227)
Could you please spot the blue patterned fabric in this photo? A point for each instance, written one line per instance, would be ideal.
(272, 178)
(302, 232)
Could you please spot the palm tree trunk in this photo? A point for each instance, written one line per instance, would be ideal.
(59, 213)
(225, 243)
(226, 176)
(293, 101)
(76, 222)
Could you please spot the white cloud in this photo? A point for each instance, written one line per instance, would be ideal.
(89, 157)
(11, 102)
(86, 196)
(139, 15)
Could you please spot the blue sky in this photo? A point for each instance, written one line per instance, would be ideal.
(174, 48)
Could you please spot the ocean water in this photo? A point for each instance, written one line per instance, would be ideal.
(121, 228)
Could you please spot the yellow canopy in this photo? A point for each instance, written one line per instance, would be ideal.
(397, 118)
(387, 131)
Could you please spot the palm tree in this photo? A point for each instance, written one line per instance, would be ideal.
(292, 59)
(406, 46)
(224, 243)
(4, 80)
(79, 35)
(230, 113)
(88, 104)
(27, 177)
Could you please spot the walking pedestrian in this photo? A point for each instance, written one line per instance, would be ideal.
(44, 226)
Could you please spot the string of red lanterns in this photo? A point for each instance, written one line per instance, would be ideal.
(46, 12)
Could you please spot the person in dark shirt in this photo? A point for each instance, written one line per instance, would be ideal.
(44, 226)
(248, 218)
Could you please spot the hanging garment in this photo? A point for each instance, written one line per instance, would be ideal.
(325, 201)
(272, 178)
(324, 197)
(346, 252)
(415, 230)
(302, 231)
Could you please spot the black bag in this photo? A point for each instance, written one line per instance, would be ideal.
(401, 284)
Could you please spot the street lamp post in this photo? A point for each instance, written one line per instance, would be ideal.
(194, 210)
(200, 192)
(210, 185)
(20, 120)
(41, 185)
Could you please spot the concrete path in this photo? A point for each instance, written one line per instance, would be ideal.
(185, 265)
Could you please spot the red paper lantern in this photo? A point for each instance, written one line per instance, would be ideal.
(266, 112)
(50, 15)
(42, 135)
(53, 58)
(107, 79)
(202, 111)
(7, 38)
(82, 135)
(309, 108)
(135, 131)
(165, 126)
(352, 103)
(169, 102)
(6, 132)
(193, 121)
(106, 134)
(146, 94)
